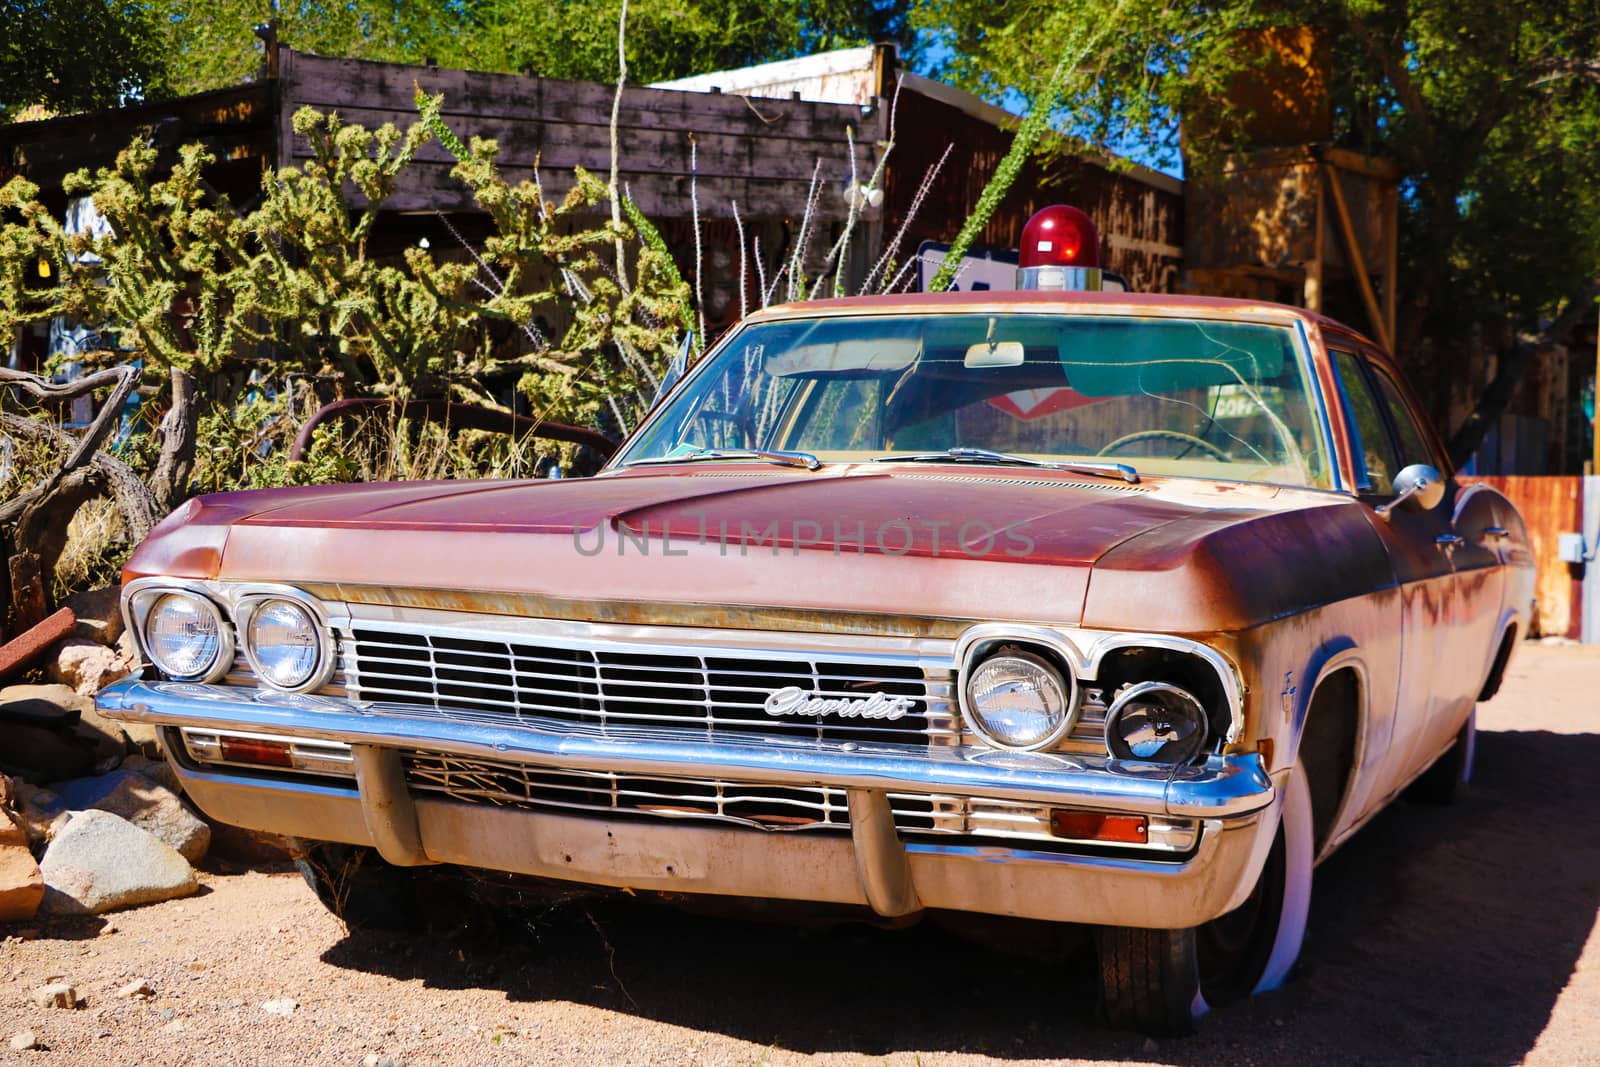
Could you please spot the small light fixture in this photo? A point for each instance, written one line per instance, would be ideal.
(44, 267)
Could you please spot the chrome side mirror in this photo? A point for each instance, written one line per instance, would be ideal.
(1418, 487)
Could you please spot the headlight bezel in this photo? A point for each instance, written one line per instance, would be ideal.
(250, 603)
(140, 605)
(1050, 650)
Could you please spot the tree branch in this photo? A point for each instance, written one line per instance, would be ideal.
(1497, 395)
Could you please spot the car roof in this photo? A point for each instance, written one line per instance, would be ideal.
(1000, 300)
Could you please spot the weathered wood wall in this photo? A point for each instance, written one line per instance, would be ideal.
(1550, 506)
(758, 153)
(1140, 218)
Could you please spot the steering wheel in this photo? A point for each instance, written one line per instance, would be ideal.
(1187, 438)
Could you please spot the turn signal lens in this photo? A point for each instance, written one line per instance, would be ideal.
(254, 750)
(1098, 826)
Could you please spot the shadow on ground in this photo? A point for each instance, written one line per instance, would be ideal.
(1436, 933)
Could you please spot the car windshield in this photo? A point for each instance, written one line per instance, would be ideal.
(1180, 396)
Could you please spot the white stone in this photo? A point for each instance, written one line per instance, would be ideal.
(102, 861)
(140, 987)
(23, 1040)
(56, 995)
(282, 1006)
(87, 666)
(143, 802)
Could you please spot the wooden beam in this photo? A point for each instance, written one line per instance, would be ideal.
(1313, 284)
(1358, 264)
(1391, 259)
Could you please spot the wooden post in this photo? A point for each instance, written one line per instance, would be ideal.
(1313, 290)
(1358, 264)
(1391, 260)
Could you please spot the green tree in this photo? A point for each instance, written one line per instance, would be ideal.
(668, 38)
(1491, 110)
(74, 55)
(212, 43)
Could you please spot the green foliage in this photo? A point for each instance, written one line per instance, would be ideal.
(1489, 108)
(75, 55)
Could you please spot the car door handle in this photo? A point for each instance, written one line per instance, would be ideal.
(1498, 533)
(1448, 543)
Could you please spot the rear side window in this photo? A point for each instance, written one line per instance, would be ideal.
(1374, 453)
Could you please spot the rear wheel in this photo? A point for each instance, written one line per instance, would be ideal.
(1160, 982)
(1441, 783)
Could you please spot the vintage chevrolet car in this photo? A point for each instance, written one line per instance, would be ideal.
(1084, 607)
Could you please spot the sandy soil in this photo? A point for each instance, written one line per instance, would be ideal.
(1461, 935)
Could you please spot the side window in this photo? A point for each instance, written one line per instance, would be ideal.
(1369, 437)
(1414, 446)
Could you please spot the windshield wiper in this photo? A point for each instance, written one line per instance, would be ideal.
(984, 455)
(786, 459)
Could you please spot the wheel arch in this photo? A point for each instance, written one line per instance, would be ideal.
(1510, 628)
(1332, 737)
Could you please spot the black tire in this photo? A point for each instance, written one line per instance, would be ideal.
(360, 888)
(1441, 783)
(1160, 982)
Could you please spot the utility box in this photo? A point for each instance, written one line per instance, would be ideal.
(1570, 548)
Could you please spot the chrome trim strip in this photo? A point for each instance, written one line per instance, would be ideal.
(1222, 786)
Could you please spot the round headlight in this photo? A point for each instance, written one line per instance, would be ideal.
(183, 634)
(1018, 700)
(284, 643)
(1156, 722)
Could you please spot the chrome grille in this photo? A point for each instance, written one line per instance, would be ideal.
(751, 804)
(508, 677)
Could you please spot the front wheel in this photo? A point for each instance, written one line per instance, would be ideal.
(1160, 982)
(356, 885)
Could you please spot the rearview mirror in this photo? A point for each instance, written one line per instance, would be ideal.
(1418, 487)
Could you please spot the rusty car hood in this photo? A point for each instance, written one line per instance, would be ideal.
(736, 544)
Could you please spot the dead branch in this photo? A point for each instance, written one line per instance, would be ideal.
(170, 482)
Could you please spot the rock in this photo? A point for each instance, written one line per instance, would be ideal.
(43, 704)
(21, 884)
(99, 614)
(140, 988)
(87, 666)
(252, 848)
(41, 813)
(145, 803)
(283, 1006)
(143, 738)
(42, 754)
(56, 995)
(158, 771)
(102, 861)
(23, 1040)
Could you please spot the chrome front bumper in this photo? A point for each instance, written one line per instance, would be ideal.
(1233, 798)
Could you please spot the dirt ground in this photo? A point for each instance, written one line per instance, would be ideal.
(1460, 935)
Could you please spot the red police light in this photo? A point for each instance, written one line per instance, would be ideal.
(1059, 236)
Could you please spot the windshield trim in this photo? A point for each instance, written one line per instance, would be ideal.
(1262, 315)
